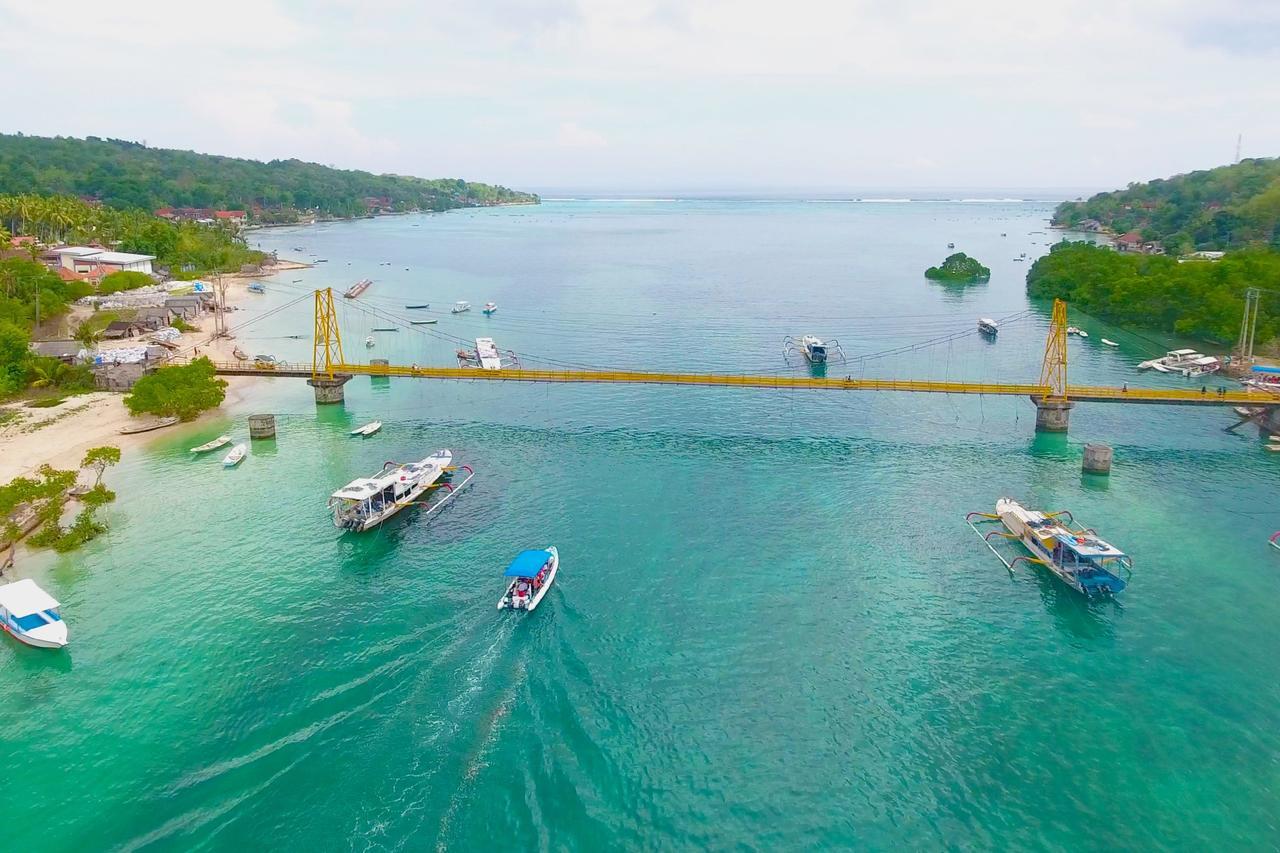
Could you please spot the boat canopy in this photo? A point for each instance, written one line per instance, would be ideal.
(22, 598)
(1262, 368)
(1183, 352)
(1088, 546)
(364, 488)
(527, 564)
(1205, 360)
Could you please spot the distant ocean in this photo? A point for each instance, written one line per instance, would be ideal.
(771, 629)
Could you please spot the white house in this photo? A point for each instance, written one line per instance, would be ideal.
(87, 260)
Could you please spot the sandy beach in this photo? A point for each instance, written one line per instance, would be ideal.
(60, 435)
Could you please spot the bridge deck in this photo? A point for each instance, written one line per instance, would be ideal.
(1090, 394)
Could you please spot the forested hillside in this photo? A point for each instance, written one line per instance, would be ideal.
(1224, 208)
(127, 175)
(1198, 298)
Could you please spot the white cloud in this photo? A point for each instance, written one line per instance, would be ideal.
(574, 135)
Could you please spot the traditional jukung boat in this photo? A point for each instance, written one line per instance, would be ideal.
(148, 426)
(236, 456)
(31, 615)
(460, 306)
(814, 349)
(240, 354)
(1275, 540)
(365, 503)
(531, 573)
(220, 441)
(1079, 558)
(415, 307)
(368, 429)
(356, 289)
(1109, 343)
(423, 322)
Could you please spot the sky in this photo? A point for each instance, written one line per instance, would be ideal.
(665, 94)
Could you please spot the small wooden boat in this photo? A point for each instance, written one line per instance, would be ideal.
(1274, 448)
(240, 354)
(148, 426)
(531, 573)
(1109, 343)
(386, 329)
(257, 287)
(220, 441)
(418, 307)
(31, 615)
(423, 322)
(236, 456)
(368, 429)
(1275, 540)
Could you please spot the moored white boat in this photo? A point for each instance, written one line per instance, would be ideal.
(1079, 558)
(31, 615)
(488, 355)
(1109, 343)
(460, 306)
(1202, 366)
(368, 429)
(220, 441)
(369, 341)
(490, 308)
(1172, 360)
(532, 573)
(236, 456)
(366, 502)
(987, 326)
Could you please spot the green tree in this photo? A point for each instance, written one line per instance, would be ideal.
(99, 459)
(124, 280)
(184, 391)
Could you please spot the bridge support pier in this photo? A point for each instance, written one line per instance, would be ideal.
(328, 390)
(1271, 421)
(1052, 415)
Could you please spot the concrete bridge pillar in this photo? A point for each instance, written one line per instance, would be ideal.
(1052, 415)
(328, 390)
(1271, 422)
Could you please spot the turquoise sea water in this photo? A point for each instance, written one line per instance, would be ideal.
(771, 629)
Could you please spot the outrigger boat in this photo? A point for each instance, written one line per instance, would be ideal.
(423, 322)
(365, 503)
(356, 289)
(1174, 359)
(1109, 343)
(486, 356)
(814, 349)
(1202, 366)
(31, 615)
(368, 429)
(1275, 540)
(532, 573)
(220, 441)
(1079, 558)
(417, 307)
(460, 306)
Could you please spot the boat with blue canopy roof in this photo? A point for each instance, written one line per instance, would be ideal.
(532, 573)
(1079, 557)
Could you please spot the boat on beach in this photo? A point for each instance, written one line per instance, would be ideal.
(220, 441)
(148, 426)
(460, 306)
(532, 573)
(1079, 558)
(236, 456)
(368, 429)
(366, 502)
(988, 327)
(31, 615)
(356, 289)
(257, 287)
(489, 309)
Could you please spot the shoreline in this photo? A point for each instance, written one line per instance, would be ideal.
(327, 220)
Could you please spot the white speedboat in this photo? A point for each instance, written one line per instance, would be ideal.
(220, 441)
(490, 308)
(31, 615)
(369, 341)
(1072, 330)
(460, 306)
(1109, 343)
(368, 429)
(236, 456)
(367, 502)
(1175, 359)
(531, 573)
(987, 326)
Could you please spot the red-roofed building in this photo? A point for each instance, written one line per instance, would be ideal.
(166, 213)
(229, 215)
(1133, 242)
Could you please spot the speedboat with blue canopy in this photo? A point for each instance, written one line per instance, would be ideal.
(1078, 557)
(31, 615)
(532, 573)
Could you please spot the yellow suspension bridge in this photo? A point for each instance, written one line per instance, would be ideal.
(1054, 397)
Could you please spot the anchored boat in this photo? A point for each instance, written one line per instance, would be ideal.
(532, 573)
(1275, 540)
(368, 429)
(235, 457)
(814, 349)
(1202, 366)
(365, 503)
(358, 288)
(220, 441)
(460, 306)
(31, 615)
(1172, 360)
(988, 327)
(256, 287)
(1079, 558)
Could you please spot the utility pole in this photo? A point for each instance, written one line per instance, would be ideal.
(219, 305)
(1239, 140)
(1249, 326)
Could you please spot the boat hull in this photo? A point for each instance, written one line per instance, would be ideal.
(542, 590)
(1011, 514)
(55, 641)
